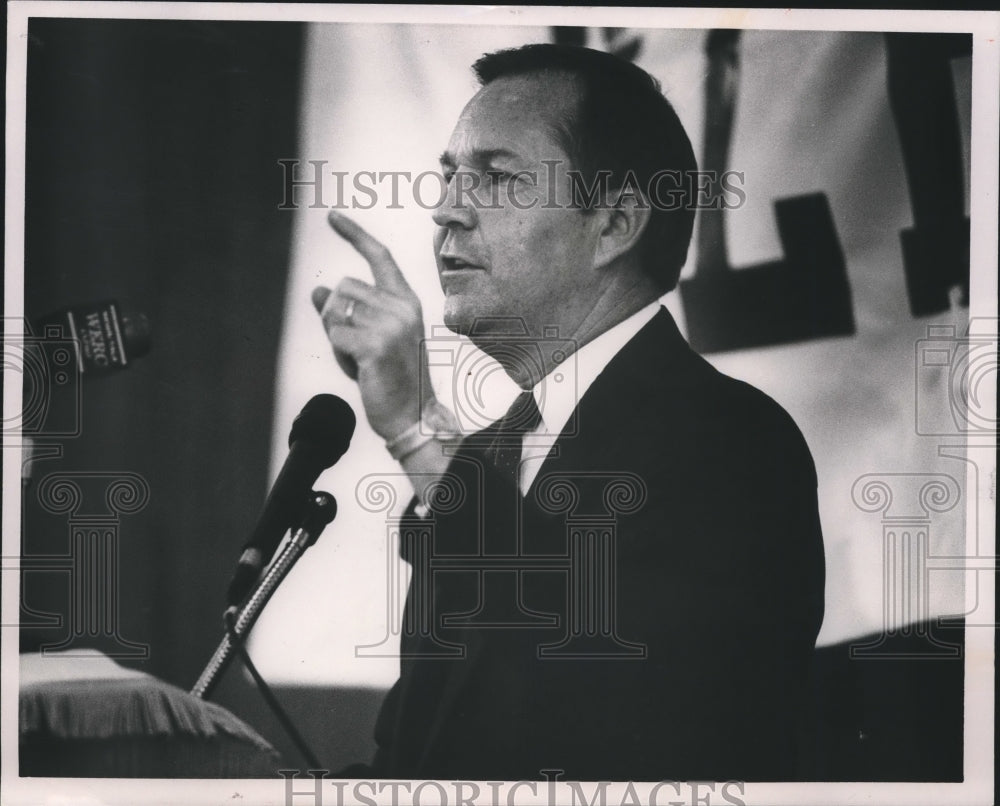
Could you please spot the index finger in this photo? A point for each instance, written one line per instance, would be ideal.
(384, 269)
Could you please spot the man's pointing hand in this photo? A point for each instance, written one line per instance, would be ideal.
(377, 334)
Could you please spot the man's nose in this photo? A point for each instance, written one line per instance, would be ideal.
(458, 207)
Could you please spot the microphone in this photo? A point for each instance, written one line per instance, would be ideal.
(105, 339)
(320, 435)
(60, 353)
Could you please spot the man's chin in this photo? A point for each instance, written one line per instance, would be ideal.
(464, 316)
(456, 322)
(479, 322)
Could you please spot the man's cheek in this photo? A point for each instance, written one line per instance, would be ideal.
(559, 238)
(522, 196)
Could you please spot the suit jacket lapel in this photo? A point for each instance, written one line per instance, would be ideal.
(657, 356)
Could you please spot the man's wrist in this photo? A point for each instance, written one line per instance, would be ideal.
(436, 423)
(412, 439)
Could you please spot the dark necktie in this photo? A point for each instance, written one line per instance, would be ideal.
(522, 416)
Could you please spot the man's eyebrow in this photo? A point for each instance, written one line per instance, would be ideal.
(478, 156)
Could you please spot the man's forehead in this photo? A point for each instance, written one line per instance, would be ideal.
(527, 107)
(544, 86)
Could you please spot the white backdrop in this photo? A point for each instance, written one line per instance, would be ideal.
(812, 115)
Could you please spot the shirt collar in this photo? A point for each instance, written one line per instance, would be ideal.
(558, 393)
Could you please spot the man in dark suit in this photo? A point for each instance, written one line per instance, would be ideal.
(623, 578)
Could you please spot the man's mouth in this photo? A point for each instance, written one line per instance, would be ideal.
(452, 263)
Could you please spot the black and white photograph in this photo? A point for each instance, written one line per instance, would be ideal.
(499, 405)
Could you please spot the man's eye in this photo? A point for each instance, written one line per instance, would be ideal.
(497, 176)
(448, 174)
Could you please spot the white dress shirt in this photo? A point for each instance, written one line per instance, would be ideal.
(558, 393)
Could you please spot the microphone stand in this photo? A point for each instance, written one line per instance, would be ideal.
(320, 510)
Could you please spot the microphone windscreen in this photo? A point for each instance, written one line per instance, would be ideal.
(327, 423)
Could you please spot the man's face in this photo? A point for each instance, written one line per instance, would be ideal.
(511, 247)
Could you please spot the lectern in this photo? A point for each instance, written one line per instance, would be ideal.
(84, 716)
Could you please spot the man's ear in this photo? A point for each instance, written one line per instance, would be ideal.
(625, 219)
